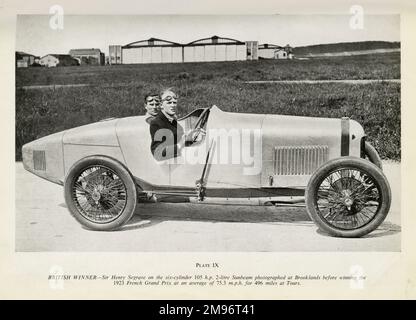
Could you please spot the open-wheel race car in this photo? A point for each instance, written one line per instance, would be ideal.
(324, 164)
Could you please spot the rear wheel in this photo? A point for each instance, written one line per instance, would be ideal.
(100, 193)
(348, 197)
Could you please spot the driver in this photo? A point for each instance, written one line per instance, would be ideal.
(168, 138)
(167, 134)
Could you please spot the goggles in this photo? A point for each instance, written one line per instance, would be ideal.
(151, 99)
(169, 98)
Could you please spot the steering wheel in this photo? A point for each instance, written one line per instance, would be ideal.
(200, 124)
(202, 119)
(196, 133)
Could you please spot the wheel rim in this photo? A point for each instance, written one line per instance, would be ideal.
(348, 199)
(99, 194)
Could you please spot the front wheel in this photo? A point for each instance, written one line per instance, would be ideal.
(100, 193)
(348, 197)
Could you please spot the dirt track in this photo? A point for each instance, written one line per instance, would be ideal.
(44, 224)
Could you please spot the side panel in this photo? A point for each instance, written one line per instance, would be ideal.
(220, 52)
(189, 54)
(156, 55)
(177, 54)
(97, 138)
(241, 52)
(231, 52)
(74, 153)
(294, 147)
(134, 137)
(98, 133)
(133, 55)
(146, 55)
(44, 157)
(167, 54)
(199, 53)
(266, 53)
(231, 160)
(209, 53)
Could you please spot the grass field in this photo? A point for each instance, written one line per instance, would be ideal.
(117, 91)
(379, 66)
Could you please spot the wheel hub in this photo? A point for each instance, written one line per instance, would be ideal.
(96, 195)
(347, 199)
(348, 202)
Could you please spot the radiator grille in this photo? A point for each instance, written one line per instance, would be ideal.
(39, 161)
(299, 160)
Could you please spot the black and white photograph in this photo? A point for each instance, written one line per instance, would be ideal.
(208, 133)
(207, 150)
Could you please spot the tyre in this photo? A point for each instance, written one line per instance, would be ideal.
(348, 197)
(100, 193)
(372, 155)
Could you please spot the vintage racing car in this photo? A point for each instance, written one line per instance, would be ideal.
(324, 164)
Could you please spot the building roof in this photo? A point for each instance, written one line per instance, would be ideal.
(92, 51)
(154, 42)
(57, 55)
(215, 40)
(21, 54)
(269, 46)
(275, 46)
(151, 42)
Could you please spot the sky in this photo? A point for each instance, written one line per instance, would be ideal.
(35, 36)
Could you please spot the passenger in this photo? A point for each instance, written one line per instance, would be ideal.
(152, 105)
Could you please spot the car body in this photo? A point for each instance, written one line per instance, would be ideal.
(128, 141)
(270, 158)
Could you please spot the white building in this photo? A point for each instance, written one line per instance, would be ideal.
(203, 50)
(55, 60)
(147, 51)
(215, 49)
(49, 61)
(272, 51)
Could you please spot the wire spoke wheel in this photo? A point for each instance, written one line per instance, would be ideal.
(348, 197)
(99, 194)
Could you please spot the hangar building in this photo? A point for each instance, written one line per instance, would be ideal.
(147, 51)
(203, 50)
(215, 49)
(88, 56)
